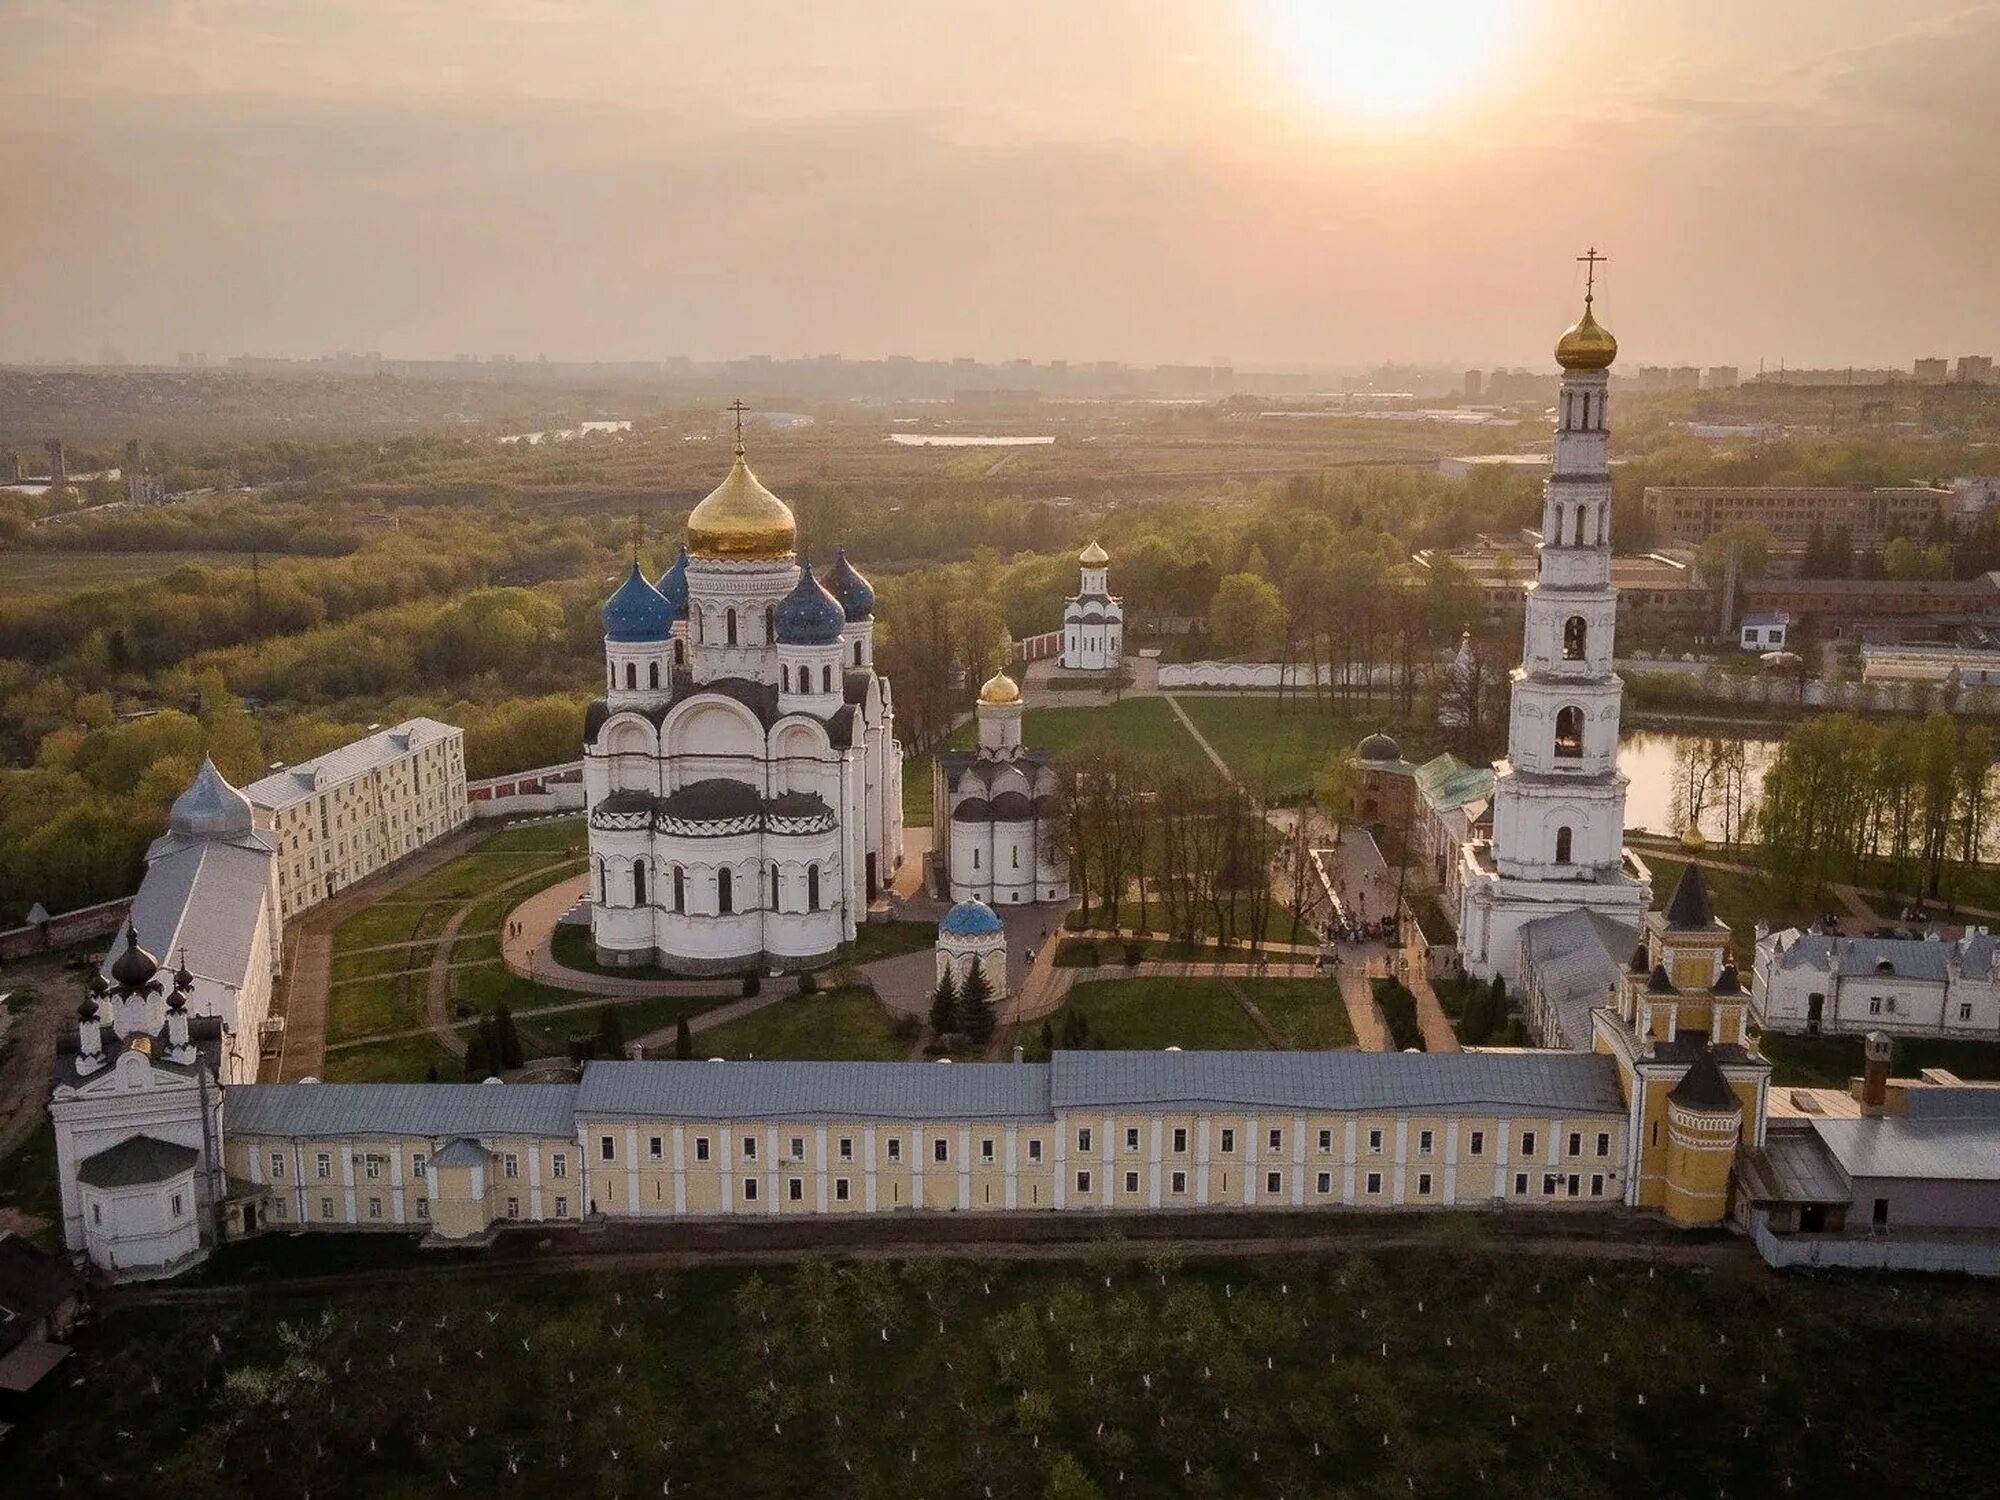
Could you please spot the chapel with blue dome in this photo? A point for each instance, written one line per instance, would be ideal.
(971, 917)
(741, 771)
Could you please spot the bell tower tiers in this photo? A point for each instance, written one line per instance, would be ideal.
(1558, 797)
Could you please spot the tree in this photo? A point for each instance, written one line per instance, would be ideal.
(683, 1041)
(506, 1039)
(944, 1005)
(1075, 1031)
(975, 1003)
(1246, 616)
(479, 1051)
(1069, 1481)
(610, 1033)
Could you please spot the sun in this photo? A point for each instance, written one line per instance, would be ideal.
(1385, 62)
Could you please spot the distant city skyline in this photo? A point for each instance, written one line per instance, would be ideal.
(1292, 182)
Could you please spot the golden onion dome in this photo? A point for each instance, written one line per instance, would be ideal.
(1000, 688)
(1093, 556)
(741, 521)
(1587, 344)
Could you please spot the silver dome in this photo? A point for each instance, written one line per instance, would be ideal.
(210, 808)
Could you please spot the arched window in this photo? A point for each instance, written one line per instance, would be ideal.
(812, 887)
(638, 882)
(1562, 846)
(694, 619)
(1576, 632)
(603, 886)
(770, 624)
(826, 679)
(680, 652)
(725, 891)
(774, 887)
(1576, 527)
(652, 674)
(1569, 733)
(631, 674)
(857, 653)
(611, 675)
(680, 889)
(729, 626)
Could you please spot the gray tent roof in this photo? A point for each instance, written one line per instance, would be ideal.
(135, 1162)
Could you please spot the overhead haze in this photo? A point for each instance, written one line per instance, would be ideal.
(1263, 181)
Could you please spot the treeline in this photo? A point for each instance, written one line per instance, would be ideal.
(1908, 802)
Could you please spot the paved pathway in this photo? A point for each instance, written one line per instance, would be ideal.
(1431, 1019)
(1200, 739)
(1370, 1032)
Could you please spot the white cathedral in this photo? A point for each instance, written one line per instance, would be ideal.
(1093, 633)
(743, 779)
(1558, 797)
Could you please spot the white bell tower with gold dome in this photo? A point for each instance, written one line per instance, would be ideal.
(1558, 797)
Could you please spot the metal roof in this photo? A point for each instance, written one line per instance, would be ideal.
(1448, 782)
(1792, 1166)
(204, 897)
(423, 1109)
(1408, 1082)
(815, 1090)
(294, 783)
(1965, 1150)
(136, 1161)
(1575, 957)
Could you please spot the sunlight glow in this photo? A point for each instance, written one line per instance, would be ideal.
(1386, 62)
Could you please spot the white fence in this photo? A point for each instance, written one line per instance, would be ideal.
(1885, 1252)
(1266, 676)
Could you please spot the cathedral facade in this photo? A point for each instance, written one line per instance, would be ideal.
(742, 774)
(1559, 797)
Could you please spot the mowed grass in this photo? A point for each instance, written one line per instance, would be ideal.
(1278, 747)
(1506, 1374)
(846, 1025)
(1830, 1061)
(1139, 725)
(1155, 1013)
(1309, 1013)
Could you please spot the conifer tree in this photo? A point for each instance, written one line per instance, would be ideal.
(944, 1005)
(479, 1051)
(683, 1041)
(610, 1033)
(975, 1003)
(506, 1039)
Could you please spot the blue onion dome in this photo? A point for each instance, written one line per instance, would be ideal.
(972, 918)
(855, 593)
(809, 615)
(637, 612)
(673, 586)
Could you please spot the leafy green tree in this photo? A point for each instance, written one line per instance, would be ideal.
(479, 1061)
(1246, 616)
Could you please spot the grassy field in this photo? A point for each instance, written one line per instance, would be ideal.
(1451, 1367)
(1153, 1013)
(1741, 900)
(1829, 1061)
(834, 1026)
(1308, 1012)
(54, 572)
(1280, 746)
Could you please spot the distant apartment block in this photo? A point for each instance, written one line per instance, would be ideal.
(342, 816)
(1656, 587)
(1844, 605)
(1720, 378)
(1931, 371)
(1688, 515)
(1975, 369)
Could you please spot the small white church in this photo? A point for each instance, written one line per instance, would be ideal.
(999, 807)
(1093, 635)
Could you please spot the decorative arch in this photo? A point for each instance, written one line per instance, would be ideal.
(1564, 840)
(1569, 732)
(729, 626)
(711, 725)
(1576, 638)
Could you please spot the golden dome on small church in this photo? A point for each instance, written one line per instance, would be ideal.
(1093, 556)
(1000, 688)
(1587, 344)
(741, 521)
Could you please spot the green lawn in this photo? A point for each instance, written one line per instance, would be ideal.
(1185, 1376)
(1741, 900)
(348, 966)
(1309, 1012)
(392, 921)
(1154, 1013)
(480, 871)
(369, 1006)
(563, 835)
(1280, 746)
(833, 1026)
(873, 940)
(1829, 1061)
(403, 1060)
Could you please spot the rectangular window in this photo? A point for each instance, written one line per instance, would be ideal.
(1521, 1184)
(277, 1164)
(324, 1163)
(1375, 1142)
(1576, 1143)
(278, 1207)
(326, 1208)
(1965, 1011)
(1548, 1184)
(1274, 1182)
(1324, 1182)
(1228, 1141)
(562, 1208)
(559, 1165)
(1034, 1150)
(840, 1189)
(1423, 1184)
(1180, 1138)
(1603, 1143)
(1179, 1182)
(940, 1150)
(1374, 1184)
(847, 1148)
(1423, 1143)
(419, 1164)
(749, 1190)
(607, 1147)
(510, 1165)
(1875, 1006)
(1597, 1184)
(513, 1208)
(1131, 1140)
(374, 1207)
(1325, 1141)
(1083, 1182)
(701, 1148)
(1527, 1143)
(1131, 1182)
(986, 1149)
(1277, 1139)
(798, 1148)
(177, 1205)
(895, 1148)
(656, 1148)
(1083, 1139)
(795, 1189)
(1478, 1146)
(749, 1148)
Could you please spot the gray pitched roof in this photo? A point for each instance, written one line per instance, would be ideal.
(1962, 1150)
(800, 1090)
(1441, 1082)
(135, 1161)
(432, 1110)
(202, 896)
(283, 788)
(1575, 959)
(462, 1153)
(1907, 958)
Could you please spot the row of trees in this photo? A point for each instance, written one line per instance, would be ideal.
(1906, 801)
(963, 1009)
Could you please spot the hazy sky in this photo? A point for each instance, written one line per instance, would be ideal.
(1162, 180)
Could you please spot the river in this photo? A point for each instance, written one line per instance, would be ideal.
(1647, 759)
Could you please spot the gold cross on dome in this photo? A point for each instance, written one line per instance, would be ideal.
(739, 408)
(1591, 261)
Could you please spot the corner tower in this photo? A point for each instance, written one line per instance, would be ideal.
(1558, 797)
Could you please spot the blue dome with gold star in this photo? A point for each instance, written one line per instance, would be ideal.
(855, 593)
(673, 586)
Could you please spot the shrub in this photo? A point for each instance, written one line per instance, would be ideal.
(808, 983)
(1135, 949)
(753, 984)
